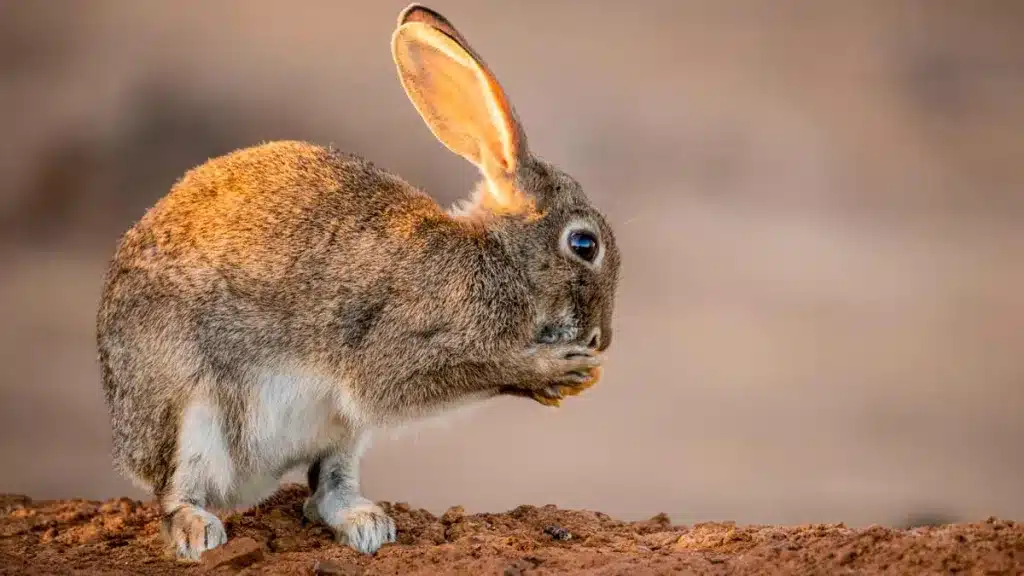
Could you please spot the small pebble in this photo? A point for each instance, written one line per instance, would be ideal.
(237, 553)
(558, 533)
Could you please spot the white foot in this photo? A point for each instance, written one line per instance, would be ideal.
(193, 531)
(362, 525)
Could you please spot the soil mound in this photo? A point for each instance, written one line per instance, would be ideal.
(123, 537)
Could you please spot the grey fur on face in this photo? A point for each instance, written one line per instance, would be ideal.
(282, 301)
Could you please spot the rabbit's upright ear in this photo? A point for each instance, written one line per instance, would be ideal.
(461, 101)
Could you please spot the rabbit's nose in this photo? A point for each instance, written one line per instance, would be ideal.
(594, 338)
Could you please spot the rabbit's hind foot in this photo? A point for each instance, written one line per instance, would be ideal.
(191, 530)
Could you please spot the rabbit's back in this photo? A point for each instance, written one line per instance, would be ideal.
(265, 241)
(264, 213)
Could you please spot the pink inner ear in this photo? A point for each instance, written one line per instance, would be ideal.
(458, 97)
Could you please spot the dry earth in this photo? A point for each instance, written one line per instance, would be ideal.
(122, 537)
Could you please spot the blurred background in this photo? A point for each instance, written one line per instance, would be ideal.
(820, 208)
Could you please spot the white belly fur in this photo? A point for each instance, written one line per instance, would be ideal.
(290, 419)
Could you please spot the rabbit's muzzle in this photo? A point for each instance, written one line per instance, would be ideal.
(594, 338)
(594, 341)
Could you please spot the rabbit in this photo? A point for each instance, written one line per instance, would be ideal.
(283, 301)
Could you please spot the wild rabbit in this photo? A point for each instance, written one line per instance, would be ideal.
(282, 301)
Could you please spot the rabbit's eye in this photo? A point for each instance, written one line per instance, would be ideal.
(583, 244)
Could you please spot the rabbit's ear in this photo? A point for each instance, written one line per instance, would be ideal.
(420, 13)
(460, 100)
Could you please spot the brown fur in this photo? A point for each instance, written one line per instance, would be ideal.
(292, 254)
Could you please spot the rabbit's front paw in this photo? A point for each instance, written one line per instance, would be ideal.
(567, 370)
(573, 384)
(570, 385)
(192, 531)
(364, 526)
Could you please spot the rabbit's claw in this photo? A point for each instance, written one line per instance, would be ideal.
(552, 401)
(572, 384)
(590, 378)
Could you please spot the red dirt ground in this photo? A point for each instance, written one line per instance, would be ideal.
(122, 537)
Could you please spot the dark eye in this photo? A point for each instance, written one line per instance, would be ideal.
(583, 244)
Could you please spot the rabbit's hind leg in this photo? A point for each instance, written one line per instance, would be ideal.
(203, 475)
(337, 502)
